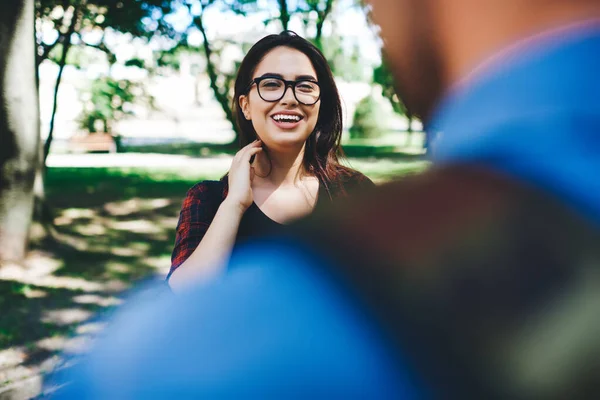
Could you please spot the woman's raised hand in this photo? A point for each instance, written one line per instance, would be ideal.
(241, 174)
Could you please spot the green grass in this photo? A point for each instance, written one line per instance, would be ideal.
(94, 186)
(385, 170)
(114, 227)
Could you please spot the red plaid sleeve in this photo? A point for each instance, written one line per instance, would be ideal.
(198, 210)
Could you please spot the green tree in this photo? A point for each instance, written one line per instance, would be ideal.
(108, 101)
(70, 19)
(383, 76)
(220, 83)
(370, 120)
(19, 127)
(322, 8)
(349, 67)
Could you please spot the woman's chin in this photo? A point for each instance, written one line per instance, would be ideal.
(286, 143)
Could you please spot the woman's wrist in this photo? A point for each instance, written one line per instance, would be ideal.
(232, 206)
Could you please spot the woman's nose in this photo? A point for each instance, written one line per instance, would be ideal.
(288, 96)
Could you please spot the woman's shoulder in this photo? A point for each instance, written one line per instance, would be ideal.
(349, 182)
(352, 178)
(208, 190)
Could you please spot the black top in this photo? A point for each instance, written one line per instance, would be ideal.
(256, 223)
(203, 201)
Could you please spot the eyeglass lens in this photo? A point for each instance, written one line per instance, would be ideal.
(273, 89)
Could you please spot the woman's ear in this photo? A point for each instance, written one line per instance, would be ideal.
(243, 101)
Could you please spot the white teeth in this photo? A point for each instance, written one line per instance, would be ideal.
(286, 117)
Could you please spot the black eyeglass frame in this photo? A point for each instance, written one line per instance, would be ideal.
(287, 84)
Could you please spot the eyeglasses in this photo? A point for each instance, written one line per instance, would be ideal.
(273, 89)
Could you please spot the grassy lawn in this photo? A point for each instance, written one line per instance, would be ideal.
(114, 227)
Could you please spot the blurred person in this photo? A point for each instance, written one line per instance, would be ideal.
(289, 115)
(477, 279)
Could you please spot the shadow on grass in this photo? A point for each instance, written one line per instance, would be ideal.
(26, 309)
(115, 228)
(115, 222)
(82, 187)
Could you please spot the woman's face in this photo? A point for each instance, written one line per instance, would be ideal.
(286, 123)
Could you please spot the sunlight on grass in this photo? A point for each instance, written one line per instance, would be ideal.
(137, 226)
(21, 275)
(37, 264)
(90, 327)
(66, 316)
(32, 293)
(142, 246)
(125, 252)
(386, 170)
(79, 213)
(131, 206)
(69, 344)
(95, 299)
(90, 230)
(161, 263)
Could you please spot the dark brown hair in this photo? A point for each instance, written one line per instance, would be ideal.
(323, 150)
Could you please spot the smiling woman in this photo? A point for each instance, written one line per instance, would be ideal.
(289, 114)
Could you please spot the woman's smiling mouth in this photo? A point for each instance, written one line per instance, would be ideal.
(287, 120)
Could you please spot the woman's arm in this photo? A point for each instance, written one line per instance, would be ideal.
(211, 254)
(208, 258)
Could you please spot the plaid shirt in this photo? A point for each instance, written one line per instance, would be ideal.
(203, 200)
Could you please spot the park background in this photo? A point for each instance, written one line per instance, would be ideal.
(134, 106)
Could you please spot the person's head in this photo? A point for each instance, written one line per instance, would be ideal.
(286, 96)
(432, 44)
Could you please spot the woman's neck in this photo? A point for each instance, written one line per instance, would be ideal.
(281, 168)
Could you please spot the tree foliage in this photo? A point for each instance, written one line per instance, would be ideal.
(72, 19)
(140, 18)
(370, 120)
(109, 100)
(383, 76)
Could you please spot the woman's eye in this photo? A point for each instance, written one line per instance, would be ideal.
(305, 87)
(271, 84)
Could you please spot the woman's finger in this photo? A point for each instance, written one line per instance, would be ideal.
(249, 146)
(250, 153)
(253, 145)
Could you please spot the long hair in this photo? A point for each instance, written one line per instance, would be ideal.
(322, 151)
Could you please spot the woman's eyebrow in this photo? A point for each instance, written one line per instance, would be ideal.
(305, 77)
(298, 77)
(271, 75)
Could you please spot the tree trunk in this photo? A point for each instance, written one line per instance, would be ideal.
(284, 14)
(321, 21)
(66, 42)
(221, 96)
(19, 126)
(61, 68)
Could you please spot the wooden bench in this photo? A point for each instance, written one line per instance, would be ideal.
(97, 141)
